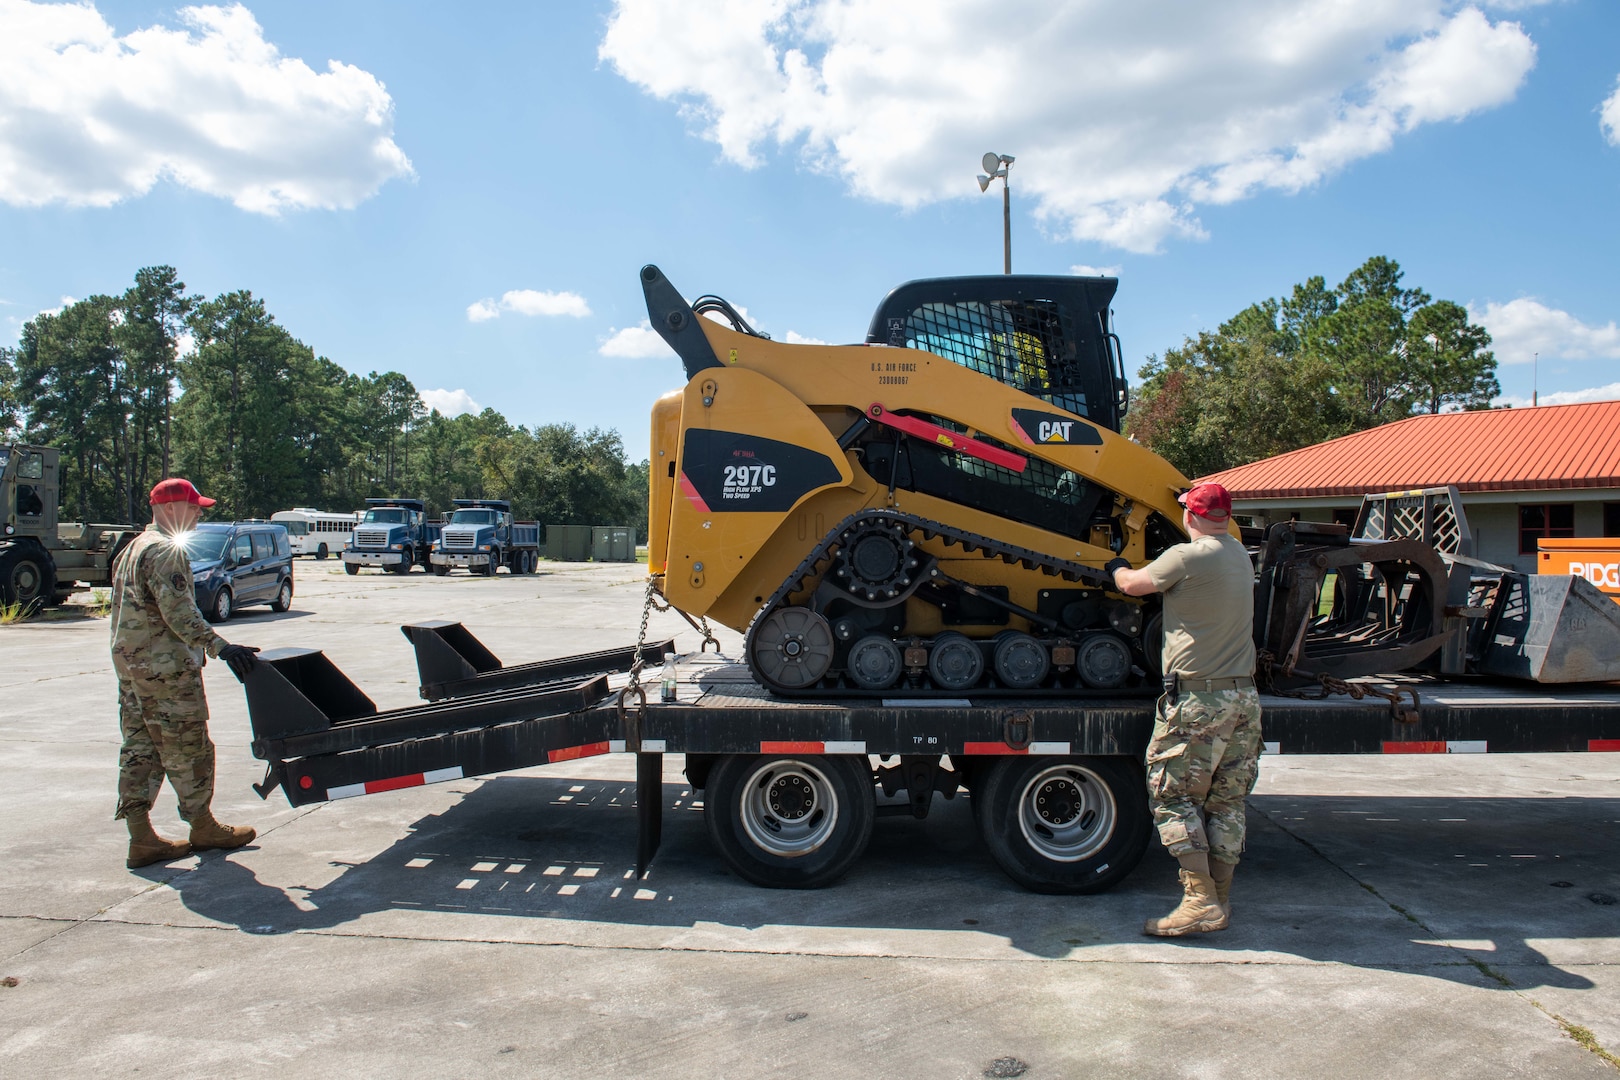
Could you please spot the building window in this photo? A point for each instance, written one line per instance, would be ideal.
(1611, 519)
(1551, 520)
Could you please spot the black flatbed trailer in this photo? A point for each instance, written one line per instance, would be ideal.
(789, 785)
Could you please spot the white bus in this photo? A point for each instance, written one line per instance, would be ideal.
(316, 532)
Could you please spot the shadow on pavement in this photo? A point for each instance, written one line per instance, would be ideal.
(1452, 887)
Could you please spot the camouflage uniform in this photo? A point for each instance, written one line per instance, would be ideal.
(1201, 766)
(159, 644)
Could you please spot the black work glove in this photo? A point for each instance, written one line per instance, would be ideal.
(239, 658)
(1114, 564)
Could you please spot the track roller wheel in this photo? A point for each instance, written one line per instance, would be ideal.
(1021, 662)
(955, 662)
(1064, 825)
(875, 663)
(789, 822)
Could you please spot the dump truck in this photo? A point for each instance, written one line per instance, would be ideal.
(393, 534)
(482, 537)
(910, 534)
(43, 559)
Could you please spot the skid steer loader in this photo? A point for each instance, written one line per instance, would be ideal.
(926, 514)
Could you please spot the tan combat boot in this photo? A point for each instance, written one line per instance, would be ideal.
(1221, 873)
(208, 834)
(146, 846)
(1199, 912)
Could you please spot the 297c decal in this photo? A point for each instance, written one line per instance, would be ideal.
(737, 472)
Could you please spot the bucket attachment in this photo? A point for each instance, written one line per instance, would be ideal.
(300, 692)
(452, 663)
(1549, 628)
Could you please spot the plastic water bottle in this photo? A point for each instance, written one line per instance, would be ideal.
(666, 681)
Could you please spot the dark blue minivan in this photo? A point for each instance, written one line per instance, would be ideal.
(238, 563)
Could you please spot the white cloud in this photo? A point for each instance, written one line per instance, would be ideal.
(793, 337)
(1124, 118)
(1522, 328)
(1609, 116)
(449, 402)
(1084, 270)
(635, 343)
(529, 302)
(1610, 392)
(91, 117)
(66, 302)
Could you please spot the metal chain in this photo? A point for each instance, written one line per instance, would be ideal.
(1328, 684)
(647, 605)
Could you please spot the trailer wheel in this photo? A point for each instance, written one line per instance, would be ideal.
(26, 578)
(351, 568)
(1064, 825)
(788, 822)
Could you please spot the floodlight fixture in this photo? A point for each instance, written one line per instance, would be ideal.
(996, 166)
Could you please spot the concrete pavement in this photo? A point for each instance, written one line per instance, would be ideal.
(1415, 916)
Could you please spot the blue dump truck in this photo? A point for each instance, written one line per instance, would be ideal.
(394, 534)
(482, 537)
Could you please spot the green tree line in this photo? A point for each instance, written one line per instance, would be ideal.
(1320, 363)
(258, 421)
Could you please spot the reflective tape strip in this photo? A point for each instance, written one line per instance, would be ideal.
(569, 753)
(844, 747)
(1049, 748)
(991, 748)
(1414, 748)
(1452, 746)
(648, 746)
(1603, 746)
(372, 787)
(791, 747)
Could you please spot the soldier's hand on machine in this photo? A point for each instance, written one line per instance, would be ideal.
(1116, 564)
(239, 658)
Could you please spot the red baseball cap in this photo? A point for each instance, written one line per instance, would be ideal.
(1208, 501)
(175, 490)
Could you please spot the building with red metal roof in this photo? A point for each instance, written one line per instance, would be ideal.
(1523, 474)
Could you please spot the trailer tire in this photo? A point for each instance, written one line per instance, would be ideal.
(1064, 824)
(790, 821)
(351, 568)
(27, 577)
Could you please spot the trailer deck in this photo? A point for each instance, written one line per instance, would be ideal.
(1062, 774)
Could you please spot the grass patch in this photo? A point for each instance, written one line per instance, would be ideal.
(11, 614)
(1586, 1040)
(100, 605)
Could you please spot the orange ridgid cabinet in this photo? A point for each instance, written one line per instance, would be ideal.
(1597, 560)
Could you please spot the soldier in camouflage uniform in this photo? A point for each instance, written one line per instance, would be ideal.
(1205, 754)
(159, 645)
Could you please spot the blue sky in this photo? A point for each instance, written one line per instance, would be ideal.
(464, 194)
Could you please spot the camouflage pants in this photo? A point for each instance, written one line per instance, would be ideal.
(1201, 765)
(165, 724)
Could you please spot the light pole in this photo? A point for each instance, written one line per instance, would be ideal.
(997, 165)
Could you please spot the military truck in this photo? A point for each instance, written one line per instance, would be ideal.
(394, 534)
(43, 560)
(482, 537)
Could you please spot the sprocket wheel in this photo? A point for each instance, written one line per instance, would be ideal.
(792, 647)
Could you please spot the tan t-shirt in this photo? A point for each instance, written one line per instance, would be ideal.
(1208, 587)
